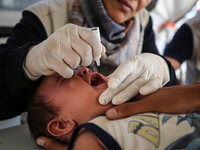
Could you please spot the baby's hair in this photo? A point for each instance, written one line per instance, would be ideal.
(39, 115)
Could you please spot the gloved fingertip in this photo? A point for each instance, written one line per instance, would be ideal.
(112, 84)
(97, 58)
(68, 73)
(117, 101)
(102, 101)
(143, 92)
(147, 90)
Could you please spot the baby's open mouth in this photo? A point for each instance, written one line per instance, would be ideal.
(96, 80)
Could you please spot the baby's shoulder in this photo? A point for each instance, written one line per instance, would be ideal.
(86, 140)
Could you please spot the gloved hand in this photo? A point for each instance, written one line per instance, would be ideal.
(144, 74)
(66, 49)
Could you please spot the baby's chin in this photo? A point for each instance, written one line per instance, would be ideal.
(107, 106)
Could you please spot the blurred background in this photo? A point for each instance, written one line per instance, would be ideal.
(10, 14)
(167, 16)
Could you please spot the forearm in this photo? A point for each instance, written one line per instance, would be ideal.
(174, 62)
(173, 78)
(14, 86)
(179, 99)
(194, 97)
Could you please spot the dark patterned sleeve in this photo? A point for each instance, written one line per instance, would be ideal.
(14, 86)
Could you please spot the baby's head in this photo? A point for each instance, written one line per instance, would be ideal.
(39, 115)
(60, 104)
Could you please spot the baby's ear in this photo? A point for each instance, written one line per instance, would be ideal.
(59, 127)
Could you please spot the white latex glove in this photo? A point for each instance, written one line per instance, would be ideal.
(144, 74)
(66, 49)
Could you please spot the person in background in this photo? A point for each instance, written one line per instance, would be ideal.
(185, 47)
(53, 36)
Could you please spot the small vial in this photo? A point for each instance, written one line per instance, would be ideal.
(96, 30)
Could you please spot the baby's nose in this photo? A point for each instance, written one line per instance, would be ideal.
(83, 71)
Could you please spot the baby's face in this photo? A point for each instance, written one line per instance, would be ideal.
(76, 96)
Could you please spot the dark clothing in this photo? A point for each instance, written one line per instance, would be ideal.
(15, 87)
(181, 46)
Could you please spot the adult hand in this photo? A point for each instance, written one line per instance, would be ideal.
(66, 49)
(177, 99)
(144, 74)
(50, 144)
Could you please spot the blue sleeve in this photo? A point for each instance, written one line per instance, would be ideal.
(181, 46)
(149, 45)
(14, 86)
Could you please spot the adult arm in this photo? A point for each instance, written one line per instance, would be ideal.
(174, 62)
(177, 99)
(14, 86)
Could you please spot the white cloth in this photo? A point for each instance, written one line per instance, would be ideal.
(150, 131)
